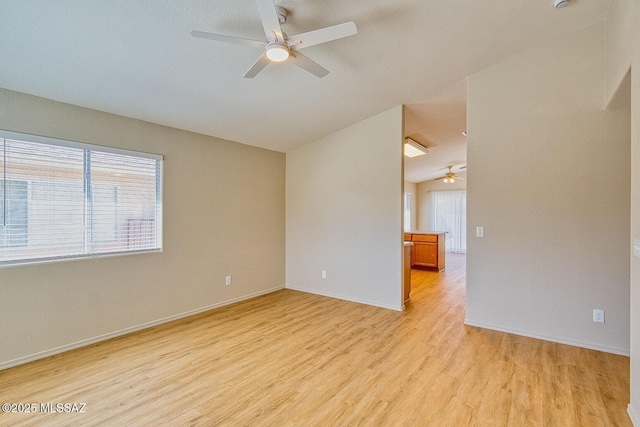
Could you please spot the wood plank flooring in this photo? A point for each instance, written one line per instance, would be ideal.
(296, 359)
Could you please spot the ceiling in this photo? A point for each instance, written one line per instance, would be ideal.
(138, 59)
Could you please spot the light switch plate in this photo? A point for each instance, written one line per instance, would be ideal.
(636, 248)
(598, 315)
(479, 231)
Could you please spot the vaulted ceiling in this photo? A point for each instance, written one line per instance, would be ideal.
(138, 59)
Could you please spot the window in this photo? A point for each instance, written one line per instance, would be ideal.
(449, 213)
(407, 211)
(13, 210)
(62, 199)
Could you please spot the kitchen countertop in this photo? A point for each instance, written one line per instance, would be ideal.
(425, 232)
(408, 243)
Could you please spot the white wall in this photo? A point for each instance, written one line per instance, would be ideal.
(344, 213)
(623, 51)
(224, 210)
(424, 197)
(549, 180)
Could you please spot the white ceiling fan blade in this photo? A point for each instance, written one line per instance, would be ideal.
(308, 65)
(322, 35)
(226, 39)
(270, 22)
(258, 66)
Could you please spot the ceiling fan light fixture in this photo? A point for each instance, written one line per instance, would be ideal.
(277, 52)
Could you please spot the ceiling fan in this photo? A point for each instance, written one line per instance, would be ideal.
(449, 177)
(281, 47)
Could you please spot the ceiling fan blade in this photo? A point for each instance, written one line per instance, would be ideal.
(258, 66)
(308, 65)
(322, 35)
(270, 21)
(226, 39)
(438, 179)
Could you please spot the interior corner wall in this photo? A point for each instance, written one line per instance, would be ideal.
(223, 213)
(621, 33)
(622, 53)
(344, 213)
(549, 172)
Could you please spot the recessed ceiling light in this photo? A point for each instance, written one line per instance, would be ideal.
(561, 3)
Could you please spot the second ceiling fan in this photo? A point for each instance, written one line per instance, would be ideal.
(281, 47)
(449, 177)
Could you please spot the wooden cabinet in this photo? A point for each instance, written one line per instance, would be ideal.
(428, 250)
(407, 271)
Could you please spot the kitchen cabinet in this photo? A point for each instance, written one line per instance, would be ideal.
(407, 270)
(428, 249)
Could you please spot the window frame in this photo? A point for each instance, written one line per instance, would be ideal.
(89, 148)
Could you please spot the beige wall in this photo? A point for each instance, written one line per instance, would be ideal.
(623, 51)
(634, 407)
(344, 213)
(549, 181)
(621, 33)
(424, 197)
(224, 210)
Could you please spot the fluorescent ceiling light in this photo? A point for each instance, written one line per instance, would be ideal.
(413, 148)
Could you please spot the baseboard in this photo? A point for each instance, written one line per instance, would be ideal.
(342, 297)
(590, 346)
(125, 331)
(635, 420)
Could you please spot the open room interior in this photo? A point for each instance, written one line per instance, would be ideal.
(353, 363)
(278, 235)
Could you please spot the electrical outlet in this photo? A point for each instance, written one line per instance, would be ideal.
(227, 280)
(598, 315)
(324, 274)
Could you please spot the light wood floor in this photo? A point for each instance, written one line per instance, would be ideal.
(295, 359)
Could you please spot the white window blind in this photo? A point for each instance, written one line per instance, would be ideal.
(407, 211)
(449, 213)
(62, 199)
